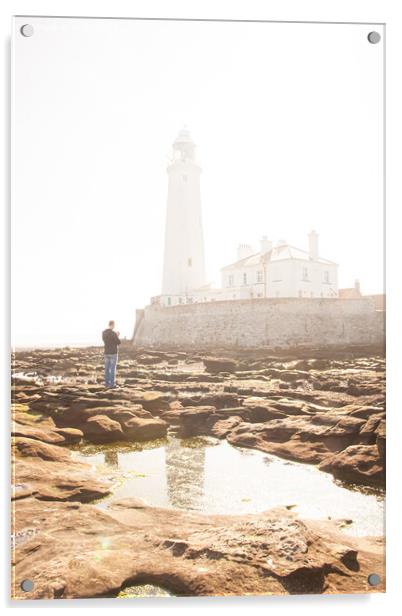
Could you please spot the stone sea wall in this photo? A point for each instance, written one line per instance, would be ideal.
(261, 323)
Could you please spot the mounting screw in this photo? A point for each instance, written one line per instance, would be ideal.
(374, 579)
(27, 30)
(27, 585)
(374, 37)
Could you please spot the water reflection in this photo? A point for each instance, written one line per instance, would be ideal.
(185, 474)
(207, 475)
(111, 458)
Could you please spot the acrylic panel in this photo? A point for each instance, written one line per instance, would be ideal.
(198, 369)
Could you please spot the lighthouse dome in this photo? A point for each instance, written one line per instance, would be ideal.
(184, 136)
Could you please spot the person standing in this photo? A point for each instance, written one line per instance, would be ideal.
(111, 341)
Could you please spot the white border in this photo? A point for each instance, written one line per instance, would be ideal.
(377, 11)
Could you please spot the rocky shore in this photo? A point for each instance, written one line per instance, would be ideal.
(322, 410)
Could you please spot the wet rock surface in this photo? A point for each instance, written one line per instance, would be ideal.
(326, 411)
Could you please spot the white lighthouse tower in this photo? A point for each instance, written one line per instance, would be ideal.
(183, 267)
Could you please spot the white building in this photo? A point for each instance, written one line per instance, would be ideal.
(184, 266)
(280, 271)
(274, 271)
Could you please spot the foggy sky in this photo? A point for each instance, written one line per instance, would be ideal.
(287, 119)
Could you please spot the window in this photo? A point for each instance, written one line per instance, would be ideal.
(305, 274)
(231, 280)
(326, 276)
(184, 178)
(259, 276)
(300, 293)
(180, 300)
(169, 301)
(244, 278)
(189, 262)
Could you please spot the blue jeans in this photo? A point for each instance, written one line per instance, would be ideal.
(110, 370)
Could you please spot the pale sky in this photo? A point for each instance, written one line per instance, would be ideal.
(287, 119)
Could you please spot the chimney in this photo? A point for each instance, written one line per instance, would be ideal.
(357, 287)
(313, 245)
(266, 245)
(243, 251)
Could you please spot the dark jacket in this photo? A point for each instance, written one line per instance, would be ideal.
(111, 340)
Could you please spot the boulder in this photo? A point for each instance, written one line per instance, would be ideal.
(80, 403)
(357, 464)
(368, 432)
(262, 409)
(245, 413)
(28, 447)
(219, 400)
(148, 360)
(58, 481)
(21, 414)
(309, 439)
(122, 414)
(46, 436)
(346, 425)
(219, 364)
(102, 429)
(140, 429)
(153, 401)
(78, 417)
(289, 406)
(290, 446)
(172, 416)
(223, 427)
(71, 435)
(196, 421)
(365, 412)
(290, 375)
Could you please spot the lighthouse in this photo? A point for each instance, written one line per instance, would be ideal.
(183, 266)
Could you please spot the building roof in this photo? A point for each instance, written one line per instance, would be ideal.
(282, 252)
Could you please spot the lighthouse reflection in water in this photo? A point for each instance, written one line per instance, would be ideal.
(207, 475)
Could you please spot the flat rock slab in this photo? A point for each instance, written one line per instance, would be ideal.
(187, 553)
